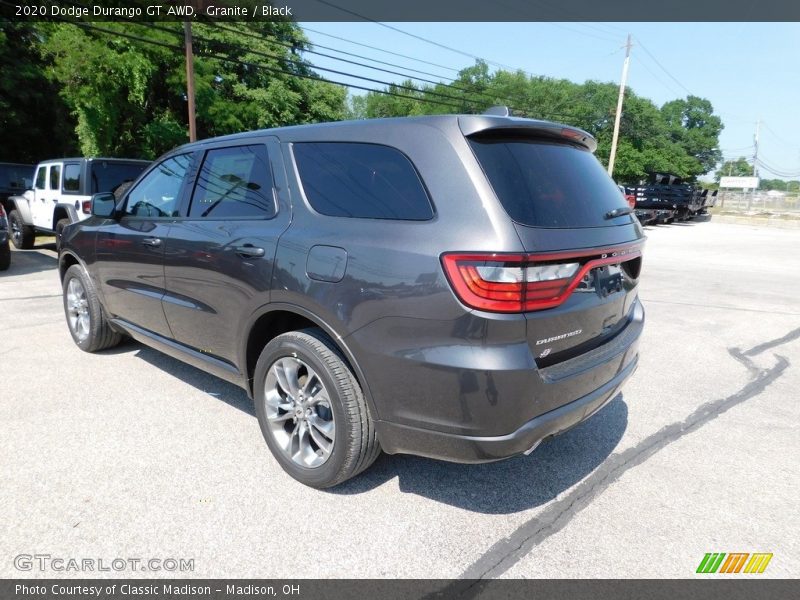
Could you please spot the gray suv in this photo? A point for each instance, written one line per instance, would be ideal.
(456, 287)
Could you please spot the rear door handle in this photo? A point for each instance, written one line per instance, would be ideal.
(152, 242)
(249, 251)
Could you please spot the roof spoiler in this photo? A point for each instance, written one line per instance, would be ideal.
(493, 121)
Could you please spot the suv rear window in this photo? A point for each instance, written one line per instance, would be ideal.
(367, 181)
(108, 176)
(549, 184)
(15, 177)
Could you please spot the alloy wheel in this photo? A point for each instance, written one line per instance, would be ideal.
(298, 412)
(78, 309)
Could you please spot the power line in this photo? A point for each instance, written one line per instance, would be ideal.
(662, 67)
(329, 70)
(345, 60)
(258, 65)
(778, 171)
(447, 83)
(303, 48)
(656, 77)
(419, 60)
(510, 101)
(421, 38)
(779, 138)
(424, 91)
(579, 32)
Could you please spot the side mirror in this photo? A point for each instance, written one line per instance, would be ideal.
(104, 205)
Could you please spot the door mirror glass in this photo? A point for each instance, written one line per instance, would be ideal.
(103, 205)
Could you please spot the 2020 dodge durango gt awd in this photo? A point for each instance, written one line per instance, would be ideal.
(456, 287)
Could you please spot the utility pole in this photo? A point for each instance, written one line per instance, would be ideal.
(755, 163)
(187, 34)
(612, 157)
(755, 148)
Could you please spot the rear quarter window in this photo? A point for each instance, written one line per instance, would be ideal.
(72, 178)
(369, 181)
(549, 184)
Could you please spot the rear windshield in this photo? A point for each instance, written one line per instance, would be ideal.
(545, 184)
(108, 176)
(15, 178)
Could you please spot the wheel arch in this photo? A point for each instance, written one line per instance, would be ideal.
(20, 204)
(64, 211)
(65, 261)
(275, 319)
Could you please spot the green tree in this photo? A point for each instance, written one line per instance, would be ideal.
(734, 168)
(693, 126)
(681, 137)
(35, 124)
(128, 96)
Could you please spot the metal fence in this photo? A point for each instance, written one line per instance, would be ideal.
(757, 202)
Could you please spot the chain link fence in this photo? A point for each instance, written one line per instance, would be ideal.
(758, 202)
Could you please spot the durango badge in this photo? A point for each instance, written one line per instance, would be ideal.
(556, 338)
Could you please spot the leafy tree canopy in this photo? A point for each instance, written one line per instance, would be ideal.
(681, 137)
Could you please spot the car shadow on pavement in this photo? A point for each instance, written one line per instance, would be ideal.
(229, 393)
(502, 487)
(24, 262)
(508, 486)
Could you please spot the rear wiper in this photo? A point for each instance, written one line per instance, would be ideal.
(618, 212)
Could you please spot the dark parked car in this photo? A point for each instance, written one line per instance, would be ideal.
(15, 178)
(457, 287)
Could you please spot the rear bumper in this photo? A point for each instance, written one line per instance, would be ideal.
(400, 439)
(582, 385)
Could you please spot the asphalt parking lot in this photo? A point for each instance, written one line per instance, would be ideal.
(129, 453)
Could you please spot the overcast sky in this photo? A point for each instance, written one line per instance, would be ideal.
(748, 71)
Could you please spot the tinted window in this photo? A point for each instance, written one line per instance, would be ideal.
(549, 184)
(158, 194)
(55, 177)
(361, 180)
(15, 177)
(108, 176)
(41, 177)
(72, 178)
(234, 182)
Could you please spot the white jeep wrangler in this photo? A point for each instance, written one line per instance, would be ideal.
(61, 194)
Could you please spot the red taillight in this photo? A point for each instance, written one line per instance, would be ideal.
(86, 207)
(511, 283)
(2, 211)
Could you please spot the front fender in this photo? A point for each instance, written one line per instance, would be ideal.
(22, 205)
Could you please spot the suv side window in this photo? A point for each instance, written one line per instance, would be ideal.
(72, 178)
(158, 194)
(234, 183)
(55, 177)
(41, 177)
(367, 181)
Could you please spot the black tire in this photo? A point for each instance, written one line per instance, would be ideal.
(60, 225)
(22, 236)
(5, 256)
(98, 332)
(355, 444)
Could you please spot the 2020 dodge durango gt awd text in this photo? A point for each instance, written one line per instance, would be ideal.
(456, 287)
